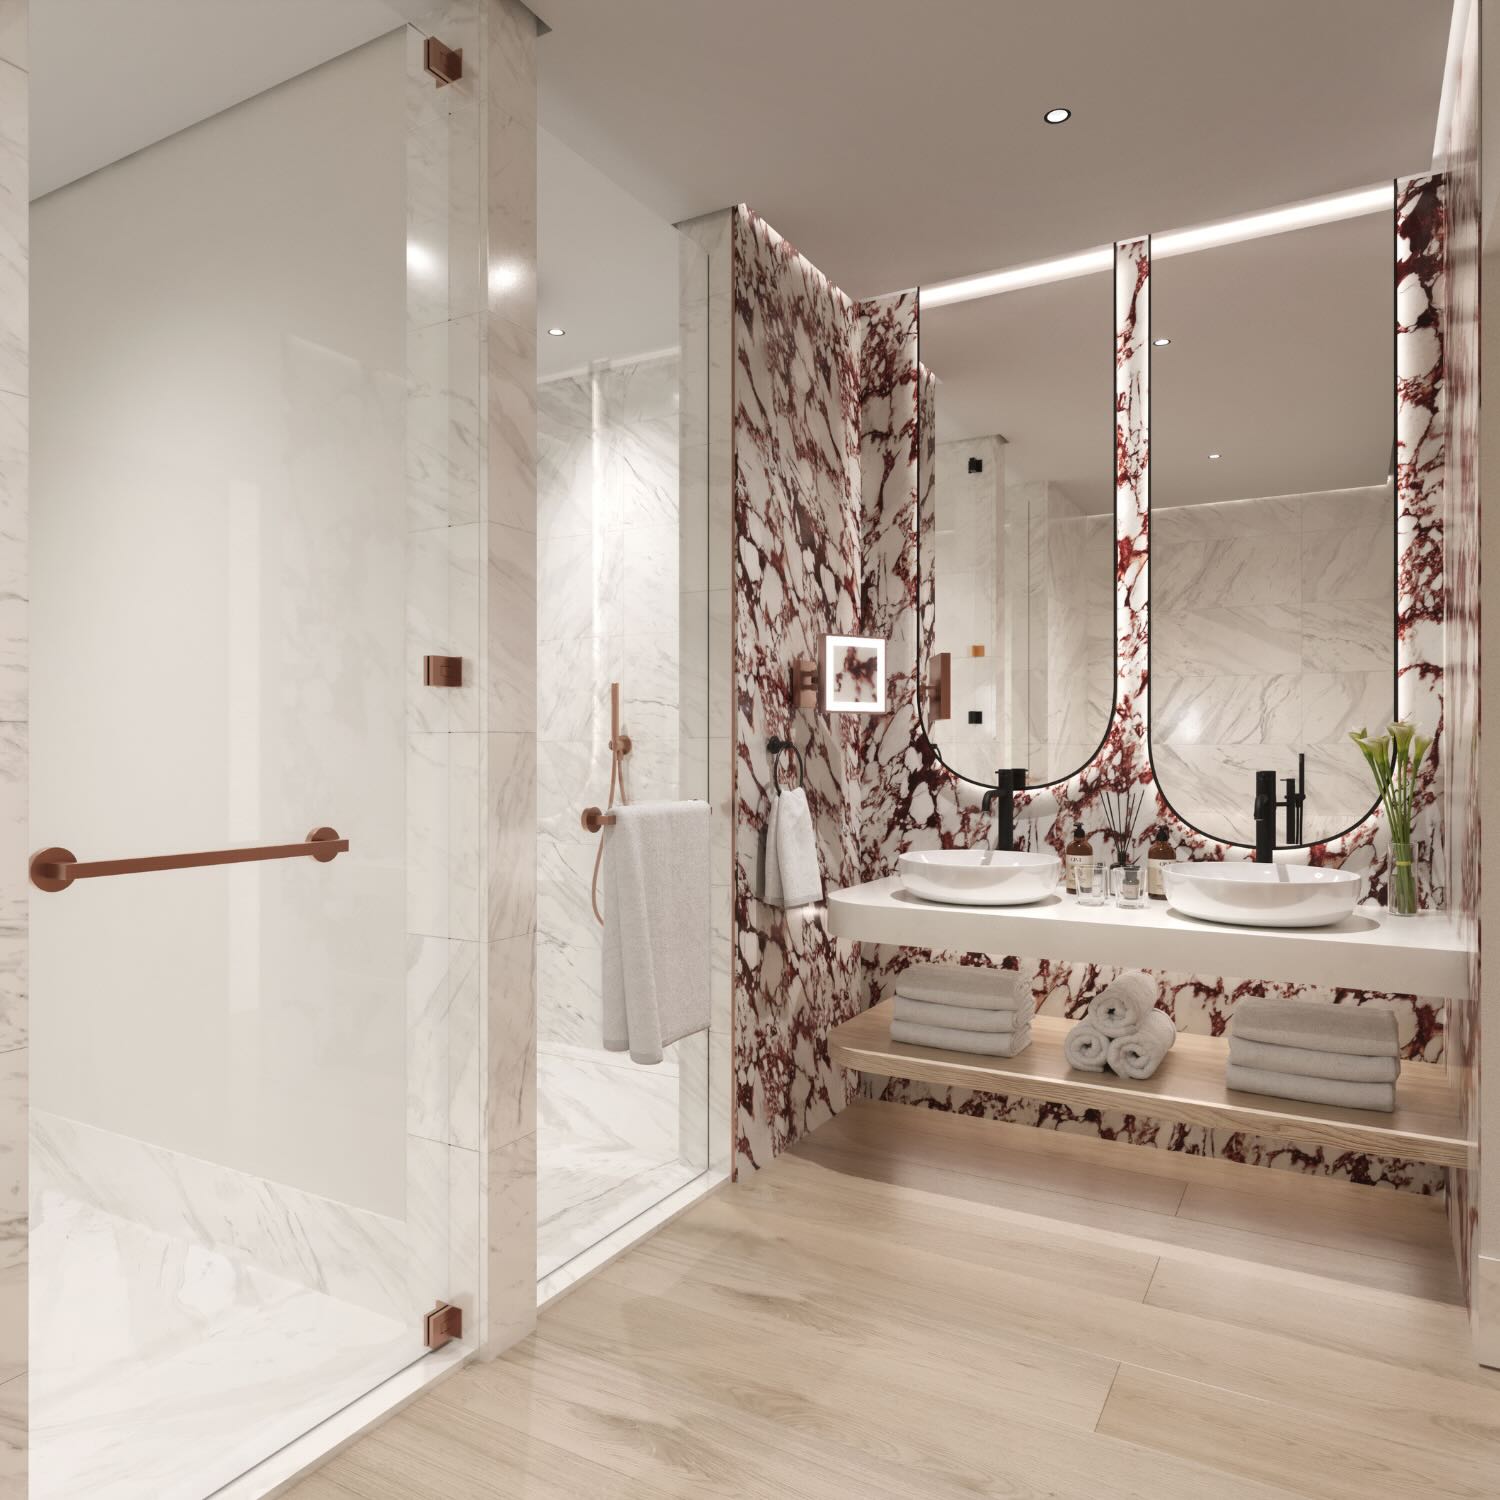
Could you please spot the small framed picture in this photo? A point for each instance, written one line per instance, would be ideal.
(853, 674)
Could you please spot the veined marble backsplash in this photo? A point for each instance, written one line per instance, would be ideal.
(1272, 634)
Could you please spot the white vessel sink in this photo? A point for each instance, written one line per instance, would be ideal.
(979, 877)
(1251, 895)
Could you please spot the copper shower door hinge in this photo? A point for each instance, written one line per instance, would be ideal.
(443, 671)
(442, 1325)
(446, 64)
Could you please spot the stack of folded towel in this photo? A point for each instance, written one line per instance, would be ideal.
(965, 1010)
(1123, 1031)
(1321, 1054)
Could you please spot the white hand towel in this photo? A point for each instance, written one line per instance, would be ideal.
(979, 989)
(1365, 1030)
(959, 1017)
(799, 875)
(770, 858)
(1086, 1047)
(1140, 1053)
(1118, 1008)
(1347, 1067)
(988, 1043)
(656, 926)
(1379, 1096)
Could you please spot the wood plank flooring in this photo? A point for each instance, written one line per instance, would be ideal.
(914, 1303)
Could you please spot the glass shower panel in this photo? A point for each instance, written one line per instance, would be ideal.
(623, 600)
(240, 1173)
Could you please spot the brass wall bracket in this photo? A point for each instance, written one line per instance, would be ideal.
(804, 683)
(940, 686)
(442, 1325)
(443, 671)
(446, 64)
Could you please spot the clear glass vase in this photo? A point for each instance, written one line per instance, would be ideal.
(1402, 896)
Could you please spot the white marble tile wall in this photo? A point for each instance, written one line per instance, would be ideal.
(705, 548)
(14, 1055)
(1273, 633)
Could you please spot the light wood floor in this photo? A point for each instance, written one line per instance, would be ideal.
(915, 1304)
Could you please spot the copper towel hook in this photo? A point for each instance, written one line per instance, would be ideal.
(595, 818)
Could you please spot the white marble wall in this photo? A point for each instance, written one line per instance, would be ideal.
(1274, 634)
(14, 415)
(607, 507)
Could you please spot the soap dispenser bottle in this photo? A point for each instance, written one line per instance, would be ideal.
(1160, 854)
(1079, 852)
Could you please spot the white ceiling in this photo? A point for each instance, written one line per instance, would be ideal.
(896, 143)
(607, 266)
(109, 77)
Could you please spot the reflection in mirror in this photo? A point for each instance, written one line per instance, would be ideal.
(1272, 521)
(854, 674)
(1016, 542)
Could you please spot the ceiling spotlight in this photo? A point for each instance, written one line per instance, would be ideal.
(1057, 116)
(557, 333)
(1161, 343)
(1216, 455)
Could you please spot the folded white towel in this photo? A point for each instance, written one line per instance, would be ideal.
(1347, 1067)
(989, 1043)
(1086, 1047)
(656, 927)
(790, 872)
(959, 1017)
(1364, 1030)
(980, 989)
(1140, 1053)
(1379, 1096)
(1117, 1009)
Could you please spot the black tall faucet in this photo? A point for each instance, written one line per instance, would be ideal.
(1266, 805)
(1003, 797)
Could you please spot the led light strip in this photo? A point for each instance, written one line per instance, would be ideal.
(1329, 210)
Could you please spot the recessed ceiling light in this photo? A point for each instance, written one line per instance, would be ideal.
(1057, 116)
(1216, 455)
(557, 333)
(1161, 343)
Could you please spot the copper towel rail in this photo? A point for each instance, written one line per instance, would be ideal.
(56, 869)
(595, 819)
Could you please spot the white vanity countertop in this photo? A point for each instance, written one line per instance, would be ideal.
(1369, 950)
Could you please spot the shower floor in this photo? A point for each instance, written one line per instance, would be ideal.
(607, 1149)
(162, 1371)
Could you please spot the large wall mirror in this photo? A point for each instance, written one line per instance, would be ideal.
(1273, 540)
(1016, 541)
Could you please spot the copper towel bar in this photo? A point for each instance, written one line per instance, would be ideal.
(56, 869)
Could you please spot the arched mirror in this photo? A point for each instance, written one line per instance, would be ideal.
(1016, 541)
(1273, 536)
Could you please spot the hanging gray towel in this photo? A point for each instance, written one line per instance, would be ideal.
(791, 874)
(656, 926)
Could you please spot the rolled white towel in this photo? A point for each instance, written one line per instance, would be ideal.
(979, 989)
(1085, 1047)
(987, 1043)
(1140, 1053)
(959, 1017)
(1118, 1008)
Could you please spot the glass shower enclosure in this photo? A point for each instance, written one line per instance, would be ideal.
(254, 502)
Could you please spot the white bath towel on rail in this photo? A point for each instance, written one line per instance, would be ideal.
(656, 921)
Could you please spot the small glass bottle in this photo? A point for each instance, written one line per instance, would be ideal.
(1079, 852)
(1161, 853)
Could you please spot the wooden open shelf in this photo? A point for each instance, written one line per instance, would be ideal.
(1189, 1086)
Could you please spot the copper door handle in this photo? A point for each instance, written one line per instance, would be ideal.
(56, 869)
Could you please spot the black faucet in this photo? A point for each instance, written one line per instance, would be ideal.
(1266, 805)
(1002, 796)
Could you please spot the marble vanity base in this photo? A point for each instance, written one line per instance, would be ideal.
(165, 1369)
